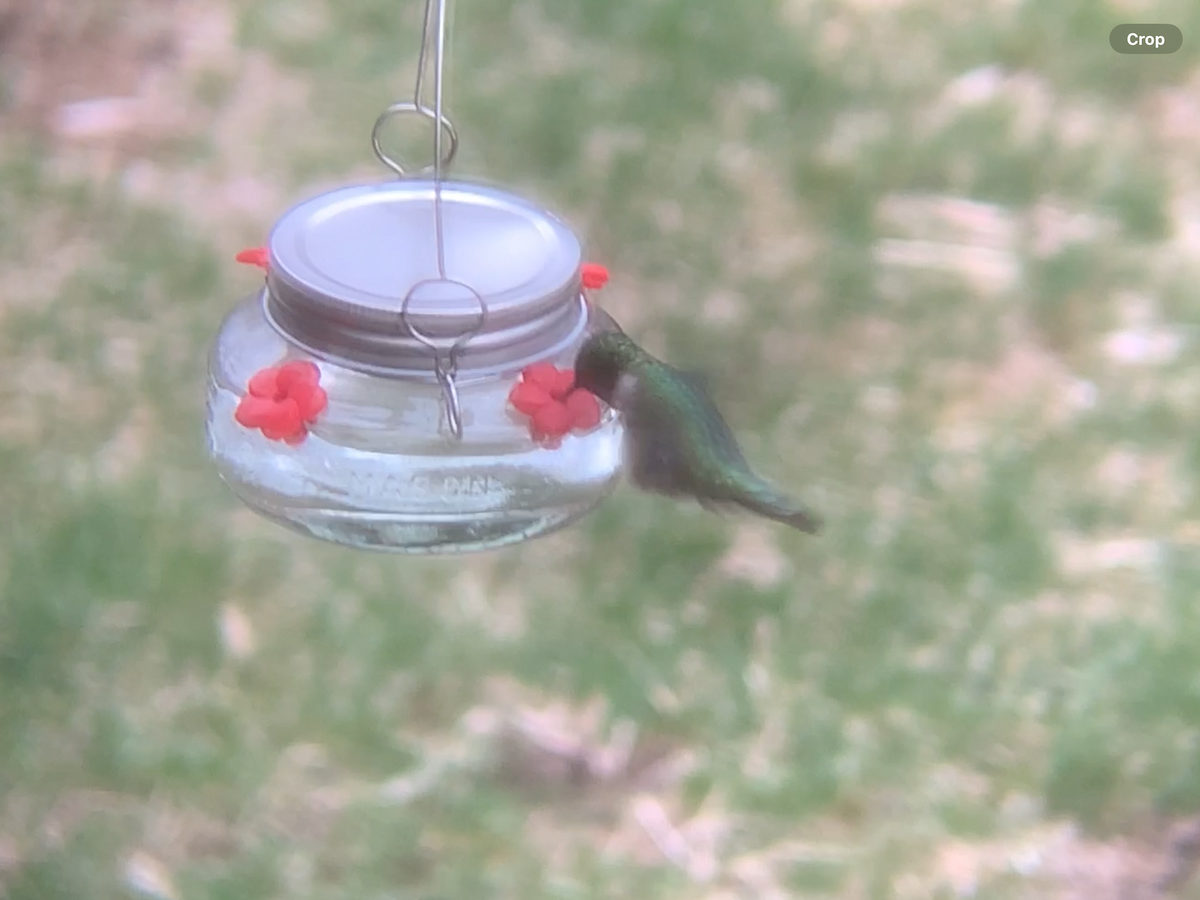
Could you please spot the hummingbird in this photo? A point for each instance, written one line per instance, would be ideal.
(676, 442)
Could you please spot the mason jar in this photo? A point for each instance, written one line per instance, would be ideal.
(411, 357)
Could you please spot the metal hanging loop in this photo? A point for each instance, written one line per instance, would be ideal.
(411, 107)
(433, 45)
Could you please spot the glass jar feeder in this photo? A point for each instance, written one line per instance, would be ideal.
(409, 441)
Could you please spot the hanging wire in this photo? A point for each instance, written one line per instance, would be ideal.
(445, 356)
(439, 58)
(433, 42)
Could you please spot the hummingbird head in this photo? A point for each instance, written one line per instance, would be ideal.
(601, 361)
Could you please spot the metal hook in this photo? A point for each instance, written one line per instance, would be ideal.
(445, 377)
(445, 355)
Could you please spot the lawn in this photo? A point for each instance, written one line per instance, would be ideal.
(939, 260)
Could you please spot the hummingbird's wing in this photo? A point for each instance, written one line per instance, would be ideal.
(652, 444)
(716, 430)
(659, 452)
(653, 458)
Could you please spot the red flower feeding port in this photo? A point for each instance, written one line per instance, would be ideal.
(593, 276)
(255, 256)
(283, 401)
(555, 407)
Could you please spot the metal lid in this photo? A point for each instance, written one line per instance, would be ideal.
(343, 263)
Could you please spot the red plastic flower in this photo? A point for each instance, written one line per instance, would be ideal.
(255, 256)
(282, 401)
(593, 275)
(554, 406)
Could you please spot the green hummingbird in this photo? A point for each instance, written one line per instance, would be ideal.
(676, 442)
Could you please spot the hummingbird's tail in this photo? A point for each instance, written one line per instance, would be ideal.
(763, 498)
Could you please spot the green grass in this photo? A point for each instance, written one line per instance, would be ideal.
(943, 663)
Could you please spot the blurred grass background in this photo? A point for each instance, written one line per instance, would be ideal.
(940, 259)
